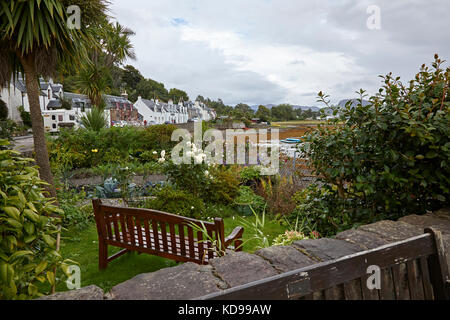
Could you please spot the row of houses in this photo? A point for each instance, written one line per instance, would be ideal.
(118, 109)
(156, 112)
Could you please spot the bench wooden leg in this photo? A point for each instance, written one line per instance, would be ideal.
(102, 255)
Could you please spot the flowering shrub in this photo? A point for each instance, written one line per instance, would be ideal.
(288, 237)
(175, 201)
(212, 183)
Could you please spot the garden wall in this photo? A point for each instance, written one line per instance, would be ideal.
(190, 281)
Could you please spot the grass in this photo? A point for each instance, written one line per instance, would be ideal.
(82, 246)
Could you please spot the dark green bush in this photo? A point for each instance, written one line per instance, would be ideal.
(25, 116)
(390, 157)
(7, 129)
(178, 202)
(84, 148)
(3, 110)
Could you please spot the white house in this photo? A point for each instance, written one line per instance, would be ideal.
(157, 112)
(16, 95)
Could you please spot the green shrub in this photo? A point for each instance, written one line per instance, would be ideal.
(27, 232)
(321, 209)
(390, 157)
(7, 128)
(247, 197)
(94, 120)
(74, 215)
(250, 174)
(222, 186)
(158, 137)
(25, 116)
(178, 202)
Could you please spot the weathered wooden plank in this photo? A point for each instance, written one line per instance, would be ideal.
(331, 273)
(147, 234)
(438, 268)
(353, 290)
(426, 282)
(400, 278)
(414, 281)
(155, 234)
(191, 242)
(182, 239)
(173, 238)
(387, 291)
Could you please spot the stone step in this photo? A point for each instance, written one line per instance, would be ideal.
(327, 249)
(285, 258)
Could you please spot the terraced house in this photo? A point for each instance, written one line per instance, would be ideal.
(157, 112)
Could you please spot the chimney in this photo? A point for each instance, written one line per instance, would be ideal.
(125, 94)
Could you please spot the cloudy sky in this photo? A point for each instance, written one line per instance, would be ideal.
(282, 51)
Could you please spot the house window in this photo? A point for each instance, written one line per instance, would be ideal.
(71, 117)
(54, 126)
(53, 117)
(83, 108)
(60, 117)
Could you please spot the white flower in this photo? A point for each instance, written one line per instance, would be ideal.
(206, 173)
(163, 153)
(189, 143)
(198, 159)
(189, 154)
(154, 152)
(192, 208)
(161, 160)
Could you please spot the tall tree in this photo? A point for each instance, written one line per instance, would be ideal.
(34, 38)
(176, 95)
(115, 47)
(283, 112)
(263, 113)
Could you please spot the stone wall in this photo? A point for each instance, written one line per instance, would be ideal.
(189, 280)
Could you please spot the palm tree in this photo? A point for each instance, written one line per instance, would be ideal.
(115, 47)
(118, 45)
(34, 39)
(92, 82)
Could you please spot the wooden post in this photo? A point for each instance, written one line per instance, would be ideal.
(437, 265)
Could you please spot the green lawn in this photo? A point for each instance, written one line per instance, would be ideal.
(82, 246)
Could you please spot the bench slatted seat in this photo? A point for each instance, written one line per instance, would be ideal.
(159, 233)
(412, 269)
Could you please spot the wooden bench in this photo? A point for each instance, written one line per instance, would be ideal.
(159, 233)
(413, 269)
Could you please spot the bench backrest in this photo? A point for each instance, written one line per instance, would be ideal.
(157, 232)
(415, 268)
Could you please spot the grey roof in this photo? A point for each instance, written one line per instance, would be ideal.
(20, 85)
(54, 104)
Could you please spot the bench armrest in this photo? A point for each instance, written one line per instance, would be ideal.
(236, 237)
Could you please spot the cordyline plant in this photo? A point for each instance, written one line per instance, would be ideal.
(28, 254)
(389, 157)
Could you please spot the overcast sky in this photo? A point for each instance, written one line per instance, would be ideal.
(282, 51)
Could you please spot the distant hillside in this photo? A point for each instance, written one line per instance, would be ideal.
(313, 108)
(342, 103)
